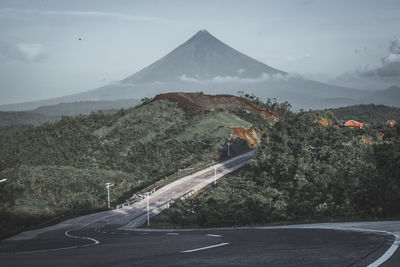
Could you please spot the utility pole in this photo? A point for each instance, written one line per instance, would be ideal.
(108, 185)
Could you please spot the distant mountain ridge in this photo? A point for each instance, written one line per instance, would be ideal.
(55, 112)
(389, 96)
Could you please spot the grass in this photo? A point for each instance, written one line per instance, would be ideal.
(59, 169)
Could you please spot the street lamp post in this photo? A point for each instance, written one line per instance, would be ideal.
(215, 175)
(147, 195)
(108, 185)
(229, 154)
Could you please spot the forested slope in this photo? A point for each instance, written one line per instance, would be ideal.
(305, 172)
(60, 168)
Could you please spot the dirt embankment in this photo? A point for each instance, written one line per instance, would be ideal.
(354, 124)
(251, 135)
(197, 102)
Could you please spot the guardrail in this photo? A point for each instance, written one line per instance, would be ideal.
(137, 198)
(133, 200)
(167, 204)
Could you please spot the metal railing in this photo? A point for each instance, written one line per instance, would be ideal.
(133, 200)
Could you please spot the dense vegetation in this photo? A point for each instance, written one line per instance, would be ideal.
(60, 168)
(304, 172)
(306, 168)
(368, 113)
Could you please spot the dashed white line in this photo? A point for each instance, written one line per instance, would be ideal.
(213, 235)
(204, 248)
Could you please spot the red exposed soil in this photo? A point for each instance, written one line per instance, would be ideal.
(252, 136)
(354, 124)
(197, 102)
(322, 122)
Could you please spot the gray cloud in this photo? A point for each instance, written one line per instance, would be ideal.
(231, 79)
(94, 14)
(390, 63)
(29, 52)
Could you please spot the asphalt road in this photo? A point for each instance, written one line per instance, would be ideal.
(111, 238)
(224, 247)
(131, 216)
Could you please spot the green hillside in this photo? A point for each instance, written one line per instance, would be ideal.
(60, 168)
(304, 172)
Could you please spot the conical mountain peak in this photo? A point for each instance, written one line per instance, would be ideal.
(202, 34)
(203, 38)
(202, 58)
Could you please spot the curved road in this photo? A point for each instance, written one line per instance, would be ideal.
(110, 238)
(307, 245)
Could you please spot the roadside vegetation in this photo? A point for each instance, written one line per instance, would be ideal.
(60, 168)
(304, 171)
(308, 166)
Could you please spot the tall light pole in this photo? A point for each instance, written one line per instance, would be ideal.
(229, 154)
(3, 180)
(108, 185)
(147, 195)
(215, 175)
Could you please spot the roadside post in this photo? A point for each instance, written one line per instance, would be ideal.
(215, 175)
(229, 154)
(147, 195)
(108, 185)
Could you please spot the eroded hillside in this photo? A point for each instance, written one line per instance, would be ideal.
(198, 102)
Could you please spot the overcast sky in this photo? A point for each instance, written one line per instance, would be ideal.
(41, 55)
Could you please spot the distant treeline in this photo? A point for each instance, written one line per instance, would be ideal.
(368, 113)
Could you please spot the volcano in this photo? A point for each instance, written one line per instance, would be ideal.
(202, 58)
(204, 63)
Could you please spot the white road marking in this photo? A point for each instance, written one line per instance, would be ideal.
(95, 242)
(214, 235)
(204, 248)
(172, 233)
(388, 253)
